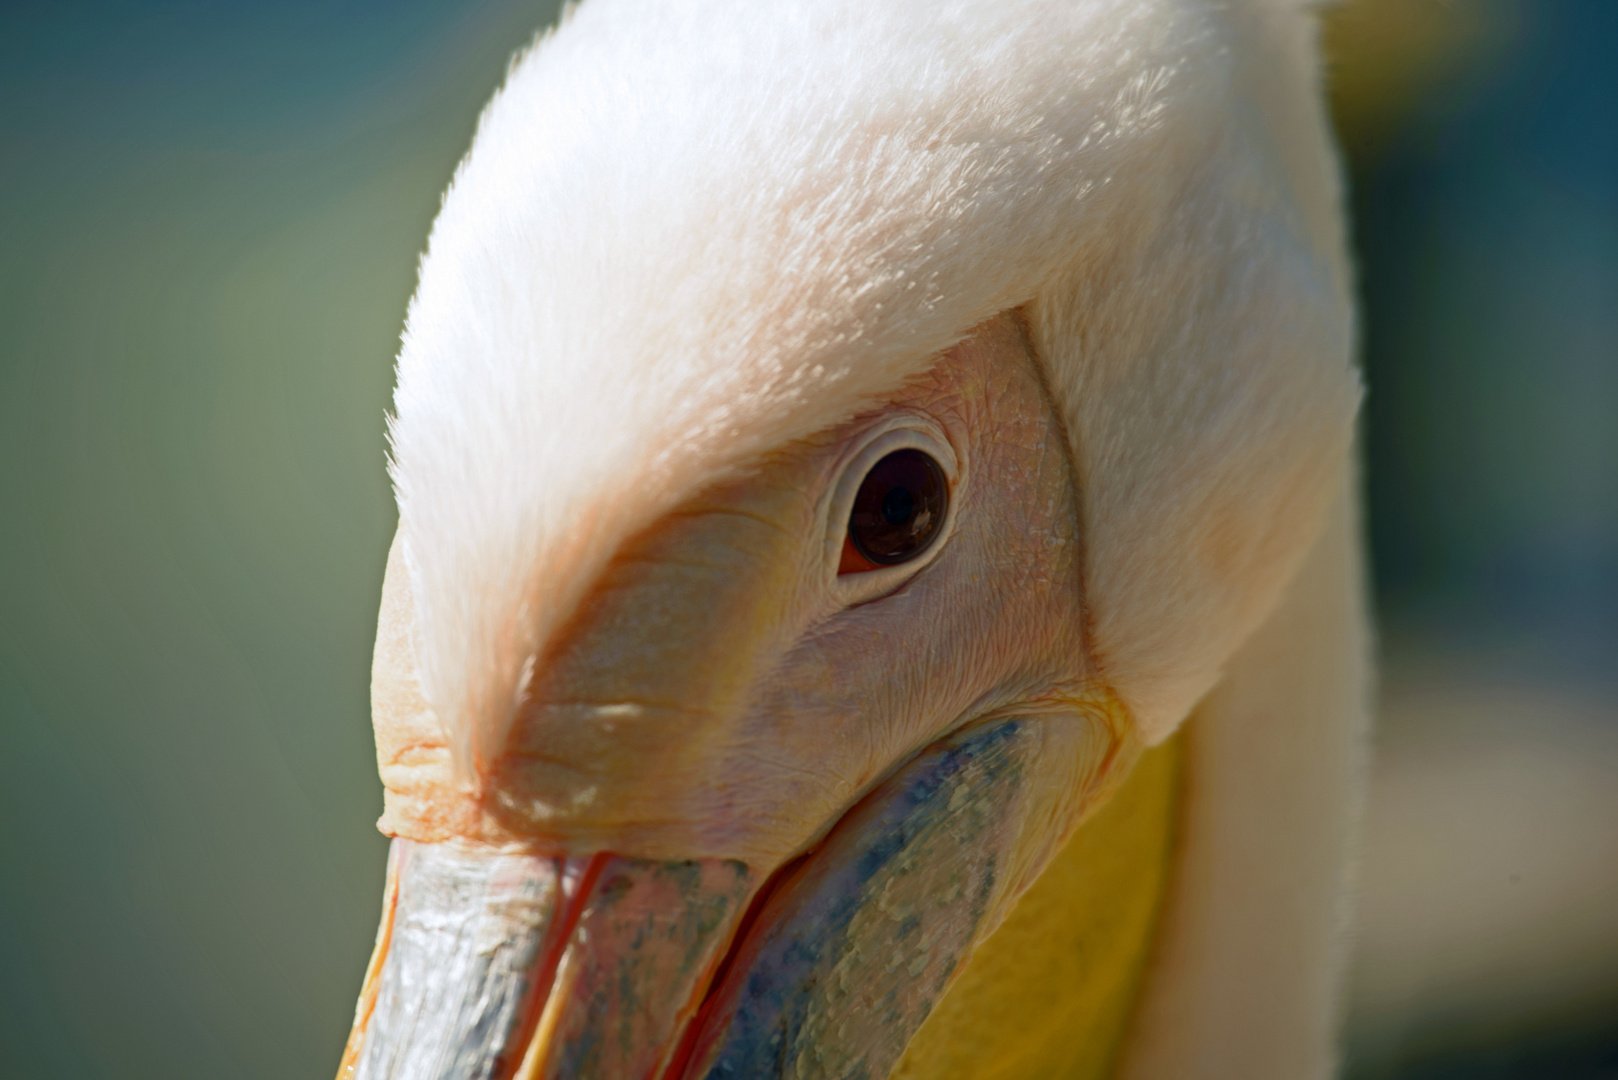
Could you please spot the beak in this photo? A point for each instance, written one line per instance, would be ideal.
(503, 966)
(497, 965)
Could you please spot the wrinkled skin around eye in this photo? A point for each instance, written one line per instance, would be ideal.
(718, 696)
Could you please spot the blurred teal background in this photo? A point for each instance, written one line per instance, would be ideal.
(209, 220)
(1482, 145)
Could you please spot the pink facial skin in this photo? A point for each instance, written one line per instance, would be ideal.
(719, 695)
(736, 723)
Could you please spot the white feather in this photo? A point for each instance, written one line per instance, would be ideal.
(688, 232)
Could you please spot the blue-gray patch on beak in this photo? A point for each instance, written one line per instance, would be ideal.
(851, 953)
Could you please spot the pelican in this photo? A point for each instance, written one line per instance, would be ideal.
(876, 591)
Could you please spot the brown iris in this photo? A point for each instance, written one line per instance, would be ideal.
(898, 511)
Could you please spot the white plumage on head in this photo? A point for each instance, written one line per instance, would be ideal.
(687, 233)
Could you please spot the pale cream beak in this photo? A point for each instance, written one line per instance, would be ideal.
(495, 965)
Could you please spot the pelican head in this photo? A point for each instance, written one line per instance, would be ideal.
(833, 443)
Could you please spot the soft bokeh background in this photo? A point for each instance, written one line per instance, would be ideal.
(209, 218)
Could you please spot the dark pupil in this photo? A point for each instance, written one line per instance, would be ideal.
(900, 507)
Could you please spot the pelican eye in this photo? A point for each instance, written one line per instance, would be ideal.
(899, 509)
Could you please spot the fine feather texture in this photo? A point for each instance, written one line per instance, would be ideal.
(1251, 952)
(688, 233)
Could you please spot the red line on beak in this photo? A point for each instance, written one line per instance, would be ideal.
(545, 970)
(681, 1059)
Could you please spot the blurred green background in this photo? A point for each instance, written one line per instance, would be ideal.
(209, 220)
